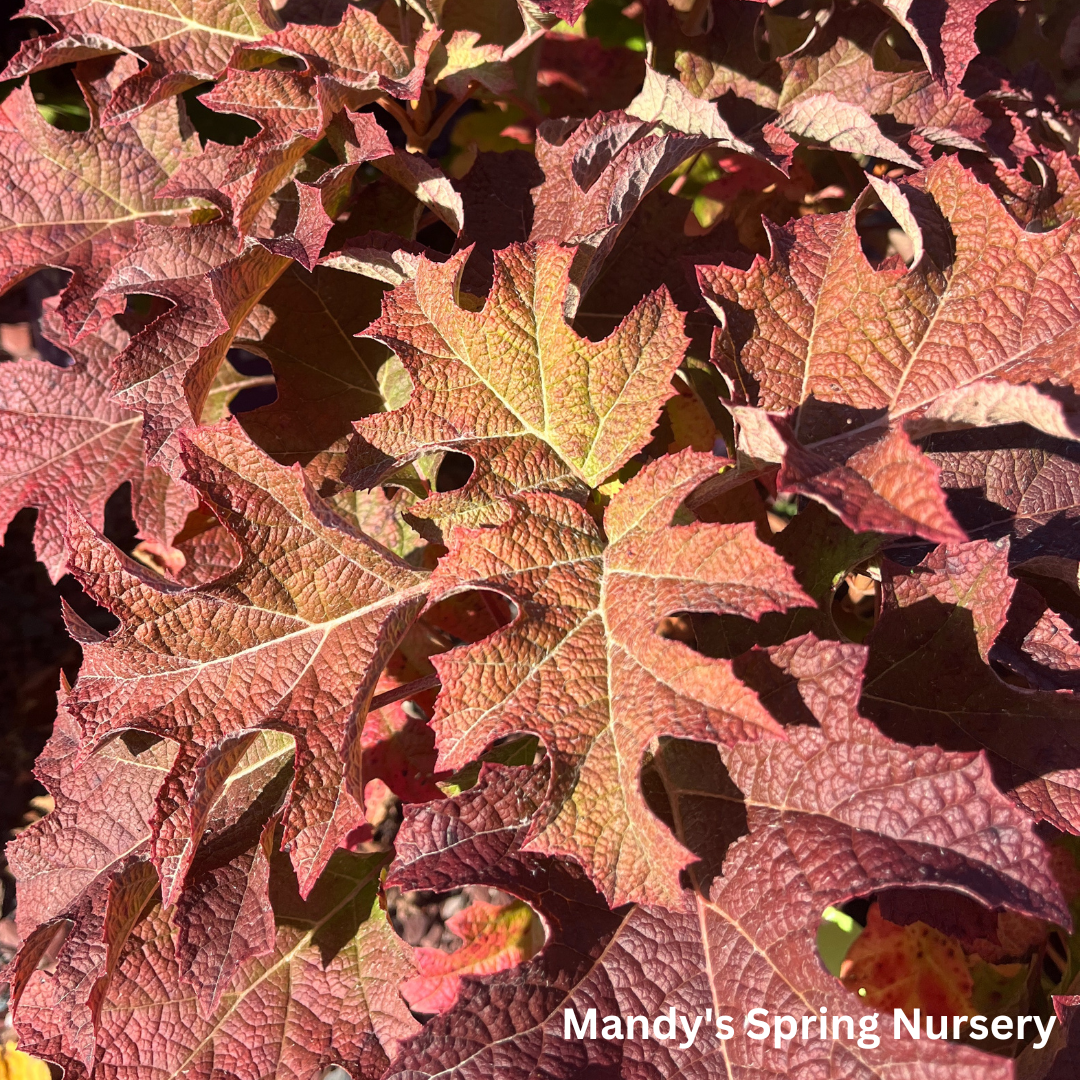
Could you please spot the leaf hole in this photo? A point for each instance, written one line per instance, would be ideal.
(474, 930)
(284, 63)
(23, 323)
(227, 128)
(885, 245)
(901, 47)
(140, 310)
(59, 98)
(945, 954)
(454, 471)
(856, 603)
(469, 616)
(436, 234)
(252, 397)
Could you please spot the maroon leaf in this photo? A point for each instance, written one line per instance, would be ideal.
(927, 684)
(76, 199)
(244, 652)
(585, 640)
(469, 396)
(750, 944)
(67, 442)
(179, 48)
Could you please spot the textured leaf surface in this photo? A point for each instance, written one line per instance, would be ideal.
(917, 334)
(182, 44)
(64, 439)
(677, 402)
(556, 406)
(750, 943)
(598, 171)
(926, 683)
(74, 199)
(585, 641)
(325, 992)
(945, 33)
(1013, 482)
(246, 651)
(845, 59)
(303, 323)
(915, 348)
(102, 812)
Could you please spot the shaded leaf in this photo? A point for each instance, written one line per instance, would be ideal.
(65, 440)
(584, 644)
(209, 666)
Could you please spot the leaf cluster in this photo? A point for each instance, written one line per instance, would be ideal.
(621, 460)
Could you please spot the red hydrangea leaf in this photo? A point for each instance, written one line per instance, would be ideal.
(751, 944)
(1026, 487)
(294, 113)
(584, 644)
(567, 10)
(478, 835)
(927, 684)
(556, 409)
(974, 575)
(596, 172)
(888, 486)
(839, 59)
(304, 324)
(944, 32)
(255, 648)
(1052, 643)
(327, 992)
(223, 916)
(101, 815)
(75, 199)
(346, 66)
(61, 1011)
(168, 368)
(359, 53)
(65, 440)
(181, 47)
(919, 333)
(913, 350)
(937, 820)
(494, 937)
(1038, 643)
(823, 118)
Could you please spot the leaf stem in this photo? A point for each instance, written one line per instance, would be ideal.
(446, 113)
(417, 686)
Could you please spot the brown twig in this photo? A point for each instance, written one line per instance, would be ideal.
(417, 686)
(445, 115)
(400, 115)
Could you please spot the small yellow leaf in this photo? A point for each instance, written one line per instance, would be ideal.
(15, 1065)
